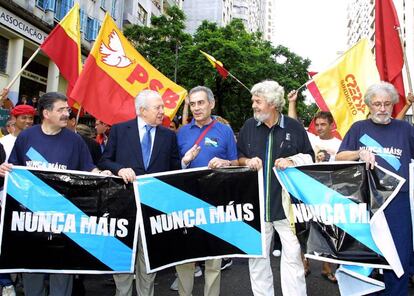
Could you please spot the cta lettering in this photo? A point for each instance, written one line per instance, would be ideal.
(353, 94)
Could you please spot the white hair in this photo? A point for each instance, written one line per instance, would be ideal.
(141, 100)
(271, 91)
(381, 88)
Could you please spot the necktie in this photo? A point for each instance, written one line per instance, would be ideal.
(146, 145)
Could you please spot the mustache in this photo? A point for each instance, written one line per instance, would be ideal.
(64, 117)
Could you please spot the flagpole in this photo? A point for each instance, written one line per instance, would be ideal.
(407, 70)
(302, 86)
(23, 68)
(235, 78)
(78, 115)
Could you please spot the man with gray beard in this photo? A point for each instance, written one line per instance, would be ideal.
(272, 139)
(390, 143)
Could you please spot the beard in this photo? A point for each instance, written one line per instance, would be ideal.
(261, 117)
(381, 118)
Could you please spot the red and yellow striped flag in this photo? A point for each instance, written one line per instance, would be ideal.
(63, 47)
(216, 64)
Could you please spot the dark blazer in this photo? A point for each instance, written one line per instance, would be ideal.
(123, 150)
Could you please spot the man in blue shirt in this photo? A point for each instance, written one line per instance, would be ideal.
(204, 142)
(50, 145)
(390, 143)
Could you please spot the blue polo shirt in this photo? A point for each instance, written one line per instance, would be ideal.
(218, 142)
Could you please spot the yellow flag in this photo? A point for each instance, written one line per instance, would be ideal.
(341, 88)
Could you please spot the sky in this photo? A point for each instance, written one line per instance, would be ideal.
(313, 29)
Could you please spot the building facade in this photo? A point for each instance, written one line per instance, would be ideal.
(24, 24)
(256, 14)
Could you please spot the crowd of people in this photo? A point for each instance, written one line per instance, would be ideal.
(268, 139)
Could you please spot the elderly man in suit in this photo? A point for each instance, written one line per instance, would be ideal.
(136, 147)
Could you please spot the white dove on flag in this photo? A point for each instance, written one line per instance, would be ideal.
(114, 54)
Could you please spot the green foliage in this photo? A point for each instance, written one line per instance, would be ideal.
(177, 55)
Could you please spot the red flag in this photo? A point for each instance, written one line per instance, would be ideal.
(388, 49)
(311, 74)
(63, 48)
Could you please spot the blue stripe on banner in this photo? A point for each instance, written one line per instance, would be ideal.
(167, 199)
(362, 270)
(37, 196)
(312, 192)
(32, 154)
(391, 159)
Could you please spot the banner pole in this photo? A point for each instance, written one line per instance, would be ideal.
(23, 68)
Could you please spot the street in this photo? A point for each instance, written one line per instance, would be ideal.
(234, 282)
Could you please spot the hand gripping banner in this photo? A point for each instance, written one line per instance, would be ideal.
(67, 222)
(200, 214)
(338, 209)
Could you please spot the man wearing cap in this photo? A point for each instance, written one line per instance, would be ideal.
(24, 115)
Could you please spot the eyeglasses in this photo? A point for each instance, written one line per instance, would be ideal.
(382, 104)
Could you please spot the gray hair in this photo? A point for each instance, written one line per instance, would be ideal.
(381, 88)
(205, 89)
(271, 91)
(141, 100)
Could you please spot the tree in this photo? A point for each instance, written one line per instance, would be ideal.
(172, 51)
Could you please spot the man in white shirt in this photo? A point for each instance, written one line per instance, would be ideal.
(325, 140)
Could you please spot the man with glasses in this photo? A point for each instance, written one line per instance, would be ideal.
(390, 143)
(50, 145)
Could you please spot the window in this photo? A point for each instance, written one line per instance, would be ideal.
(142, 14)
(114, 10)
(46, 4)
(92, 29)
(4, 48)
(62, 7)
(83, 20)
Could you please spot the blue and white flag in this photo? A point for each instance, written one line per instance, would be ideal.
(67, 222)
(200, 214)
(341, 207)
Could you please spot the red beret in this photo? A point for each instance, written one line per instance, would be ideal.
(23, 110)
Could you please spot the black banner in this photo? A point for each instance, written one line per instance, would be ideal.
(67, 222)
(200, 214)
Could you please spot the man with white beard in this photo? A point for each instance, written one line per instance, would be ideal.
(390, 143)
(272, 139)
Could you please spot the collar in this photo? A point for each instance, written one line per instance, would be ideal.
(193, 124)
(141, 123)
(280, 122)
